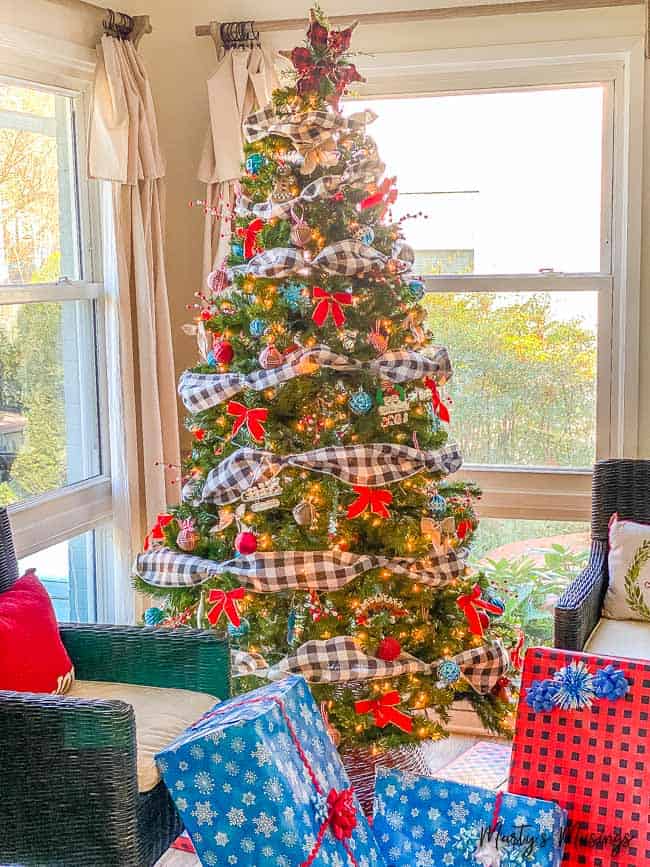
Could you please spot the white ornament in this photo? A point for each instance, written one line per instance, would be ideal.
(488, 854)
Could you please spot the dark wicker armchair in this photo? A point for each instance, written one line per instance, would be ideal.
(68, 788)
(621, 486)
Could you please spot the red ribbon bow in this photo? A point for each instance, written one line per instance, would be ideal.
(439, 407)
(330, 305)
(249, 235)
(471, 605)
(342, 817)
(377, 499)
(386, 194)
(252, 418)
(384, 711)
(225, 601)
(157, 533)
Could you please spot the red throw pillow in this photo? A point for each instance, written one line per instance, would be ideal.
(32, 655)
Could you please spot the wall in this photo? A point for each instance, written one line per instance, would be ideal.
(179, 64)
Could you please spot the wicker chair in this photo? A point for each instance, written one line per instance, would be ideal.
(68, 788)
(621, 486)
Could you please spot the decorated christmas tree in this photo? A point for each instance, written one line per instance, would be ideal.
(319, 527)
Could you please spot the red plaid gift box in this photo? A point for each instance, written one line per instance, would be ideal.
(581, 740)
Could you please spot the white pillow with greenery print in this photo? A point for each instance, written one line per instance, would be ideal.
(628, 594)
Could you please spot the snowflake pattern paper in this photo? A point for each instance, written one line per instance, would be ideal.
(244, 793)
(424, 822)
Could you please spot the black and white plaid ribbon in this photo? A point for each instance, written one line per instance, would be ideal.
(201, 391)
(372, 465)
(273, 571)
(340, 660)
(345, 258)
(309, 128)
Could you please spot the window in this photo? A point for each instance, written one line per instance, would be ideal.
(54, 463)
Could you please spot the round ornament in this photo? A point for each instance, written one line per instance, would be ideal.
(366, 235)
(499, 603)
(246, 542)
(270, 357)
(300, 234)
(416, 289)
(361, 402)
(223, 352)
(153, 616)
(438, 506)
(257, 328)
(448, 671)
(291, 294)
(388, 649)
(349, 340)
(254, 163)
(304, 513)
(239, 631)
(238, 249)
(218, 280)
(188, 537)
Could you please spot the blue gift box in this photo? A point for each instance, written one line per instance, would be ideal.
(253, 778)
(424, 822)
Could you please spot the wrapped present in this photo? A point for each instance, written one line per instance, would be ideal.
(485, 764)
(259, 783)
(425, 822)
(581, 739)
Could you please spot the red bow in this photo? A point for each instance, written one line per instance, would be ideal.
(378, 499)
(386, 194)
(471, 605)
(342, 817)
(252, 418)
(330, 305)
(157, 533)
(463, 528)
(384, 711)
(249, 235)
(225, 601)
(439, 407)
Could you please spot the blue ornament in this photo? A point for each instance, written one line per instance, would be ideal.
(257, 327)
(611, 683)
(368, 236)
(498, 603)
(254, 163)
(541, 696)
(438, 506)
(292, 294)
(360, 403)
(238, 249)
(239, 631)
(448, 671)
(154, 616)
(416, 289)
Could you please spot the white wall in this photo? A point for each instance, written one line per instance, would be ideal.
(179, 64)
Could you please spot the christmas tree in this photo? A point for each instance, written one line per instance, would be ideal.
(318, 527)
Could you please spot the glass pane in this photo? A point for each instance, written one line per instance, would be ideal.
(509, 182)
(49, 434)
(524, 383)
(68, 571)
(38, 212)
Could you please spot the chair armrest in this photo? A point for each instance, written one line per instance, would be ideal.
(192, 659)
(578, 609)
(67, 774)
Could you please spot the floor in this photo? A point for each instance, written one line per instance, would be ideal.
(438, 754)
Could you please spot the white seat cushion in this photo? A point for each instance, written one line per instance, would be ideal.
(629, 638)
(160, 716)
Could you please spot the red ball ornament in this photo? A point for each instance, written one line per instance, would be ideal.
(388, 649)
(485, 620)
(223, 352)
(205, 314)
(246, 542)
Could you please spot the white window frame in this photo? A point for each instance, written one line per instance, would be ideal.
(67, 512)
(556, 493)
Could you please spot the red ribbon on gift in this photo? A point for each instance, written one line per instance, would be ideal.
(157, 533)
(225, 602)
(385, 712)
(471, 605)
(376, 499)
(249, 236)
(517, 653)
(439, 407)
(330, 305)
(252, 418)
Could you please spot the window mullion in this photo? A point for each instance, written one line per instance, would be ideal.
(63, 290)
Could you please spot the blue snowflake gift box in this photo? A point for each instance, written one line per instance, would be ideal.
(259, 783)
(424, 822)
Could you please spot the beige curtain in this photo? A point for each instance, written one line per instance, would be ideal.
(242, 82)
(124, 151)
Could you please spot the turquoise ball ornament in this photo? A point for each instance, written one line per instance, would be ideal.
(238, 249)
(254, 163)
(448, 672)
(257, 328)
(416, 289)
(438, 506)
(360, 403)
(239, 631)
(154, 616)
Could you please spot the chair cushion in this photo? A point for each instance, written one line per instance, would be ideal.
(628, 592)
(628, 638)
(32, 655)
(160, 716)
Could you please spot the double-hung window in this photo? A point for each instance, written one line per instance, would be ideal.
(54, 458)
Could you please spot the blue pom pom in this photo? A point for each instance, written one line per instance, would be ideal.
(154, 616)
(239, 631)
(448, 671)
(541, 696)
(438, 506)
(254, 163)
(238, 249)
(360, 403)
(611, 683)
(257, 327)
(416, 289)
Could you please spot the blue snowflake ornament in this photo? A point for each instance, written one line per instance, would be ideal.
(448, 671)
(610, 683)
(257, 328)
(292, 293)
(541, 696)
(360, 403)
(575, 686)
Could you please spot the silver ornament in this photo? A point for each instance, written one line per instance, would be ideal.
(304, 513)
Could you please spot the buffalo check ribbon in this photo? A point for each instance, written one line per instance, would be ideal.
(375, 499)
(225, 602)
(306, 128)
(471, 604)
(385, 712)
(330, 305)
(346, 258)
(252, 418)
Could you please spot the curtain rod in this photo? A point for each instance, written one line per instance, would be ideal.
(134, 27)
(434, 14)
